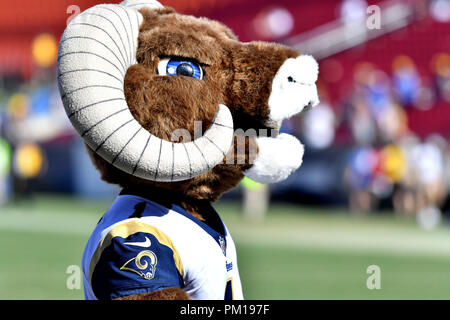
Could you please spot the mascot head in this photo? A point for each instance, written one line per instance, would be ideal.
(167, 100)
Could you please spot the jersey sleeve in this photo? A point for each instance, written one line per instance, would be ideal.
(134, 257)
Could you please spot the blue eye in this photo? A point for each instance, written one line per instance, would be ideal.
(180, 67)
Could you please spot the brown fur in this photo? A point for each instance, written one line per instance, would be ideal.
(166, 294)
(236, 74)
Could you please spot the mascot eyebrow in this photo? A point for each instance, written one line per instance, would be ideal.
(131, 76)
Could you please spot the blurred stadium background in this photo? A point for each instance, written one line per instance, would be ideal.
(373, 189)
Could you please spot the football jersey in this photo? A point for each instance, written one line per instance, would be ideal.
(141, 246)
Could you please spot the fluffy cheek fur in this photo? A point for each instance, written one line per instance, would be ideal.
(255, 65)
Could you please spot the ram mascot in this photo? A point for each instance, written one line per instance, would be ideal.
(165, 103)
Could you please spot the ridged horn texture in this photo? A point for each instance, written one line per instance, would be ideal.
(95, 51)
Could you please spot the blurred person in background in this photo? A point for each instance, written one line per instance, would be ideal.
(422, 189)
(359, 178)
(406, 80)
(256, 198)
(429, 164)
(405, 197)
(446, 156)
(440, 67)
(5, 168)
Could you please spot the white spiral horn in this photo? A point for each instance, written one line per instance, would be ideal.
(95, 51)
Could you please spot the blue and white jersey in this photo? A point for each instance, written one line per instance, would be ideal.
(157, 249)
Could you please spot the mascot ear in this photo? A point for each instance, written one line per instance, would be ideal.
(95, 52)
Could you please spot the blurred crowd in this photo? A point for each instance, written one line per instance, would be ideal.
(388, 160)
(30, 116)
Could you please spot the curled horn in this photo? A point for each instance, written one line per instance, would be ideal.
(95, 51)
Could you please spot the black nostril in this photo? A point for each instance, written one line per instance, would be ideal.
(290, 79)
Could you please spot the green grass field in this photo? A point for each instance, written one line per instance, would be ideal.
(295, 253)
